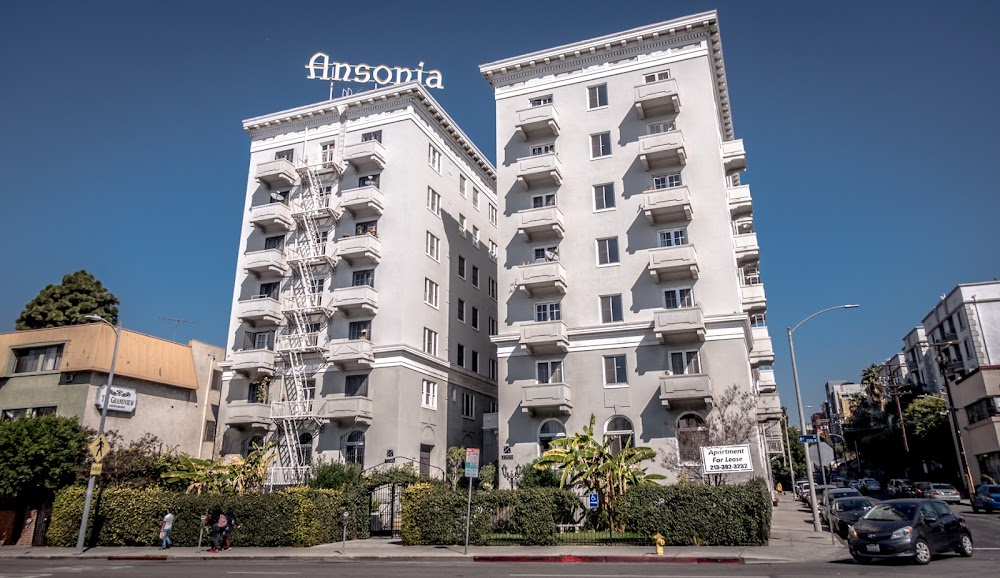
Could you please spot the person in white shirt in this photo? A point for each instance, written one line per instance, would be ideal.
(168, 523)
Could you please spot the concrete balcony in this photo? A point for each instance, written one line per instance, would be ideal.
(657, 98)
(734, 157)
(683, 325)
(363, 201)
(254, 362)
(768, 407)
(268, 261)
(243, 414)
(279, 173)
(762, 352)
(360, 250)
(662, 149)
(667, 205)
(537, 121)
(316, 207)
(491, 421)
(309, 304)
(348, 410)
(691, 390)
(312, 254)
(740, 202)
(360, 300)
(677, 262)
(281, 476)
(539, 170)
(259, 310)
(301, 343)
(544, 278)
(753, 298)
(350, 354)
(364, 156)
(747, 248)
(541, 223)
(765, 380)
(544, 337)
(546, 399)
(272, 217)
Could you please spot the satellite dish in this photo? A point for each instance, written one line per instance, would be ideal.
(277, 196)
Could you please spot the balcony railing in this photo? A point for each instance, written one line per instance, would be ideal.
(747, 248)
(685, 324)
(352, 410)
(300, 409)
(666, 205)
(740, 202)
(539, 170)
(241, 413)
(662, 149)
(544, 337)
(363, 201)
(315, 207)
(762, 352)
(322, 253)
(537, 121)
(546, 398)
(278, 173)
(288, 476)
(734, 157)
(309, 303)
(268, 261)
(351, 354)
(273, 216)
(259, 309)
(301, 343)
(691, 390)
(656, 98)
(768, 407)
(366, 155)
(546, 277)
(362, 299)
(363, 249)
(253, 362)
(541, 223)
(677, 262)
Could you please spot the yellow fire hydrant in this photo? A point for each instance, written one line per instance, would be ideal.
(658, 539)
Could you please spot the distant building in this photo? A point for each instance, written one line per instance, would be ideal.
(819, 424)
(60, 371)
(838, 400)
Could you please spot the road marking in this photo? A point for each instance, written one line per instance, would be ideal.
(268, 573)
(987, 548)
(616, 576)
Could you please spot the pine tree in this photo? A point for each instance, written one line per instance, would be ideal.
(80, 294)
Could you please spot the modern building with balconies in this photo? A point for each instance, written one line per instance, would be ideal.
(608, 182)
(361, 320)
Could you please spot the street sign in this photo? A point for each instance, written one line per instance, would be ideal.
(808, 439)
(122, 399)
(727, 459)
(95, 469)
(506, 455)
(471, 463)
(593, 500)
(390, 456)
(99, 448)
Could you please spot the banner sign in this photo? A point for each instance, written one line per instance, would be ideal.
(726, 459)
(122, 399)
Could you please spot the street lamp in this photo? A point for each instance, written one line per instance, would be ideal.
(802, 418)
(100, 428)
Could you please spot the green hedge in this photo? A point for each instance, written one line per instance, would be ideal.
(131, 517)
(731, 515)
(434, 514)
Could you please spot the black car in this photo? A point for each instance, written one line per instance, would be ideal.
(846, 512)
(915, 529)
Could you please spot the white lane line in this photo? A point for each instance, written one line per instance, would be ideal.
(268, 573)
(986, 548)
(616, 576)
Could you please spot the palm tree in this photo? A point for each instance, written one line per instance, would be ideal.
(871, 380)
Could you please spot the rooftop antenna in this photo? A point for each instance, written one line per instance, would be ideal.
(177, 321)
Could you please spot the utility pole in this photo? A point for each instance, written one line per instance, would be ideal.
(956, 433)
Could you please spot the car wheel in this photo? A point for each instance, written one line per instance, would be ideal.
(989, 510)
(861, 559)
(975, 508)
(965, 546)
(923, 552)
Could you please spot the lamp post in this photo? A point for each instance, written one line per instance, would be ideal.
(802, 418)
(100, 428)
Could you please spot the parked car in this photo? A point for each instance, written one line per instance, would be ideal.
(899, 487)
(830, 495)
(920, 490)
(820, 490)
(870, 485)
(909, 528)
(853, 483)
(846, 511)
(987, 497)
(945, 493)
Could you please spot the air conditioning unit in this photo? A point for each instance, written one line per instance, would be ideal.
(67, 377)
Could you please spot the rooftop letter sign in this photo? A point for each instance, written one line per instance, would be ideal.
(321, 68)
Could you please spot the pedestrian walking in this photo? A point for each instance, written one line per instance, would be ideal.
(217, 523)
(778, 487)
(165, 527)
(231, 526)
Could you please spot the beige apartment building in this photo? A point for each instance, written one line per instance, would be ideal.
(629, 276)
(365, 290)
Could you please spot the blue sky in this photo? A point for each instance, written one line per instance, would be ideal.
(869, 129)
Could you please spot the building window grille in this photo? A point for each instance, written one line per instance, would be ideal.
(354, 450)
(619, 434)
(692, 434)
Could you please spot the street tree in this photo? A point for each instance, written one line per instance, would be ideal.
(139, 463)
(455, 465)
(68, 303)
(40, 455)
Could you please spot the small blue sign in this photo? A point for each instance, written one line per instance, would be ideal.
(593, 500)
(808, 439)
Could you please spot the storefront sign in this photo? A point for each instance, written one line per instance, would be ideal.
(321, 68)
(122, 399)
(726, 459)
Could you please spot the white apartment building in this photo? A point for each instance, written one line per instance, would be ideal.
(630, 284)
(838, 402)
(921, 366)
(366, 287)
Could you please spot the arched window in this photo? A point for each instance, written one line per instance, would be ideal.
(550, 431)
(619, 433)
(354, 448)
(692, 434)
(251, 444)
(306, 448)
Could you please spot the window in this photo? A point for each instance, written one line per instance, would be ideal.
(431, 290)
(548, 372)
(492, 326)
(366, 228)
(354, 448)
(460, 355)
(475, 236)
(611, 309)
(433, 201)
(475, 276)
(547, 312)
(542, 149)
(550, 431)
(692, 434)
(546, 254)
(462, 184)
(10, 414)
(619, 433)
(305, 448)
(493, 368)
(604, 197)
(365, 278)
(667, 181)
(430, 342)
(656, 76)
(615, 370)
(600, 145)
(541, 100)
(360, 330)
(493, 250)
(493, 288)
(37, 359)
(370, 181)
(373, 135)
(327, 154)
(684, 362)
(597, 96)
(434, 158)
(961, 320)
(260, 340)
(461, 310)
(433, 247)
(316, 286)
(983, 409)
(493, 214)
(210, 427)
(758, 320)
(275, 243)
(672, 237)
(546, 200)
(678, 298)
(607, 251)
(968, 349)
(287, 154)
(468, 405)
(278, 197)
(475, 361)
(356, 386)
(462, 225)
(475, 197)
(658, 127)
(475, 319)
(750, 274)
(461, 267)
(429, 395)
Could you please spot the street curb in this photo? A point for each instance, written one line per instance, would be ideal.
(561, 558)
(570, 558)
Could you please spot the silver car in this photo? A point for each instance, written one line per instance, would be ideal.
(945, 493)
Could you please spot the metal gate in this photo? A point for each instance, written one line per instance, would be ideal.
(385, 510)
(42, 516)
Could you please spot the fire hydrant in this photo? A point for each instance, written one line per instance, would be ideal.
(658, 539)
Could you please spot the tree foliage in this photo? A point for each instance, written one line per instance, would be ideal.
(230, 474)
(139, 463)
(334, 475)
(40, 455)
(68, 303)
(455, 466)
(535, 477)
(927, 417)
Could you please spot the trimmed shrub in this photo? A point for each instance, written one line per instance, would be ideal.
(685, 515)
